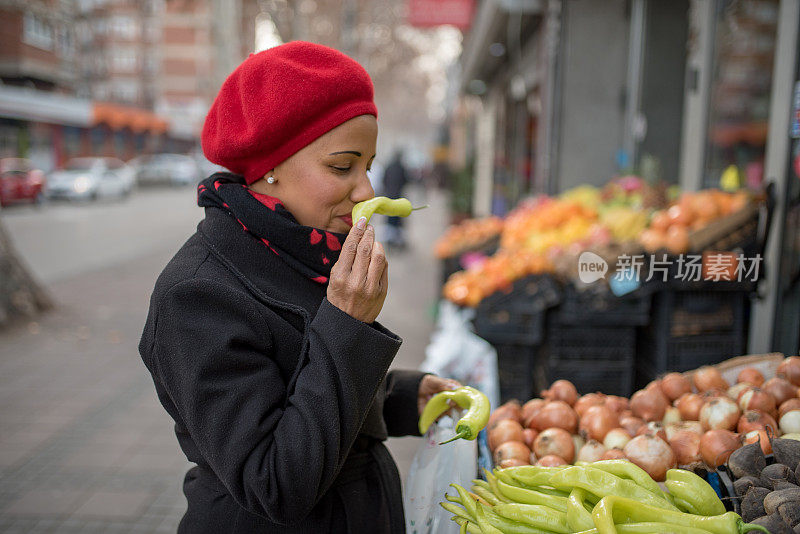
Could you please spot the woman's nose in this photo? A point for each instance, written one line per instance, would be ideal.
(363, 189)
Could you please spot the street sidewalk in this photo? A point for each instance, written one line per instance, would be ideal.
(85, 446)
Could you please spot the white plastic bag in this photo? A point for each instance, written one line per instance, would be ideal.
(455, 351)
(432, 471)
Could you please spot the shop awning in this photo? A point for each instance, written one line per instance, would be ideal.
(43, 106)
(119, 117)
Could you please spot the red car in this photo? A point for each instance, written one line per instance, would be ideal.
(20, 181)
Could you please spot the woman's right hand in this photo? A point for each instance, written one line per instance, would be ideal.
(360, 278)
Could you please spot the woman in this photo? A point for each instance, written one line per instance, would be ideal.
(261, 336)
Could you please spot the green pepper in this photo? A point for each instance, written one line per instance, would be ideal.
(492, 480)
(398, 207)
(695, 491)
(456, 510)
(483, 522)
(466, 500)
(486, 495)
(535, 515)
(578, 517)
(527, 496)
(507, 526)
(475, 402)
(614, 509)
(650, 528)
(686, 506)
(467, 526)
(603, 484)
(631, 471)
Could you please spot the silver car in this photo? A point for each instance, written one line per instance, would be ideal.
(91, 179)
(170, 169)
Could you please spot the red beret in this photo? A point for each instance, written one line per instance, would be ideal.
(279, 101)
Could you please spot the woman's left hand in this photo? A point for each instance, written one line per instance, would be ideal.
(430, 385)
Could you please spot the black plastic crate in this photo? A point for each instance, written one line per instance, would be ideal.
(567, 343)
(517, 315)
(515, 371)
(692, 328)
(612, 378)
(598, 306)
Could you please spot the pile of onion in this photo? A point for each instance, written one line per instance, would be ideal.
(597, 422)
(709, 378)
(555, 414)
(673, 385)
(562, 390)
(789, 370)
(652, 454)
(649, 405)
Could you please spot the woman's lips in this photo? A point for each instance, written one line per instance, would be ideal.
(348, 219)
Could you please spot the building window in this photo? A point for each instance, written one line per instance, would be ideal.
(37, 32)
(125, 60)
(123, 26)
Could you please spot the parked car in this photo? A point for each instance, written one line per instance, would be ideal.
(90, 179)
(169, 169)
(20, 181)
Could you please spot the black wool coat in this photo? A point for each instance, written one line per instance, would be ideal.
(280, 398)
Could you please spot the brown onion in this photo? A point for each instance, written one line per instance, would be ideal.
(503, 431)
(652, 454)
(761, 437)
(578, 441)
(512, 450)
(616, 438)
(686, 445)
(689, 405)
(650, 405)
(750, 375)
(631, 424)
(562, 390)
(613, 454)
(736, 390)
(529, 436)
(587, 401)
(781, 389)
(755, 420)
(591, 452)
(617, 404)
(512, 462)
(556, 414)
(626, 413)
(529, 409)
(510, 410)
(717, 445)
(673, 385)
(653, 429)
(707, 378)
(672, 415)
(745, 389)
(555, 441)
(758, 399)
(720, 413)
(789, 422)
(692, 426)
(789, 369)
(597, 421)
(788, 406)
(655, 384)
(551, 460)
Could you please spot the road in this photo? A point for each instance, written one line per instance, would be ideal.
(85, 446)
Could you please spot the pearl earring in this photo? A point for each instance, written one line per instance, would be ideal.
(271, 180)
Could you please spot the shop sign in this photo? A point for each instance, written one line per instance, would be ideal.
(429, 13)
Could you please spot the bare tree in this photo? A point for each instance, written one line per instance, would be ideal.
(20, 295)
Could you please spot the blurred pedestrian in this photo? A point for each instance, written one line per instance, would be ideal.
(262, 337)
(395, 179)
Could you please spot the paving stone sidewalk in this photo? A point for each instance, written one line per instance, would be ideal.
(85, 446)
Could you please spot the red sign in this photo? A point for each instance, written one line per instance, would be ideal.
(429, 13)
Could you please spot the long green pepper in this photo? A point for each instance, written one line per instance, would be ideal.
(650, 528)
(527, 496)
(613, 510)
(578, 517)
(535, 515)
(631, 471)
(472, 422)
(694, 491)
(397, 207)
(604, 484)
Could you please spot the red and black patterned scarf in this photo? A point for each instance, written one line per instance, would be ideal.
(310, 251)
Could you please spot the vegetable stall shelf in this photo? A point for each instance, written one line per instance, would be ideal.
(513, 322)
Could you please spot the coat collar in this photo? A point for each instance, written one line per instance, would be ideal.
(258, 264)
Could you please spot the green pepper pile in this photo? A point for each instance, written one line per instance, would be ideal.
(607, 497)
